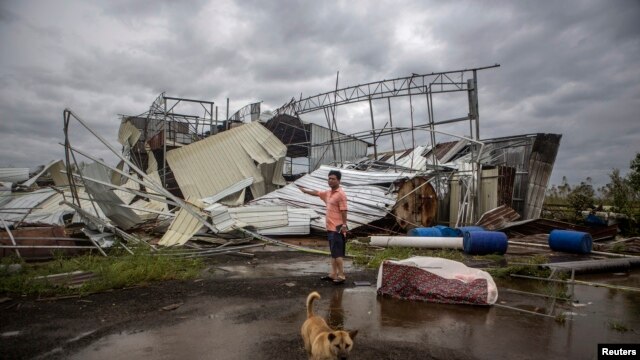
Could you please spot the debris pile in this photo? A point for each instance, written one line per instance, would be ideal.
(213, 186)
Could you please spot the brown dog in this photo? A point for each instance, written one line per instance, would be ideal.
(320, 341)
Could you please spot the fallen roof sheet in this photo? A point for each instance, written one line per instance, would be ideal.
(261, 217)
(42, 207)
(228, 191)
(106, 199)
(128, 134)
(58, 175)
(183, 227)
(497, 218)
(33, 179)
(367, 203)
(299, 221)
(127, 196)
(5, 192)
(23, 204)
(358, 177)
(207, 167)
(14, 175)
(410, 159)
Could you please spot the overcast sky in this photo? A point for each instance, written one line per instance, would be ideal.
(567, 67)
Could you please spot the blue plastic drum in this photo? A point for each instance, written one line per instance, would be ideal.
(484, 242)
(570, 241)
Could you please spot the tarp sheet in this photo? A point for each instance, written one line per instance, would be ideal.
(436, 280)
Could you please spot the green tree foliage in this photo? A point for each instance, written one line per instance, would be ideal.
(618, 191)
(581, 197)
(558, 194)
(634, 175)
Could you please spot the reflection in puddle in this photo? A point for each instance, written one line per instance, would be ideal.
(310, 267)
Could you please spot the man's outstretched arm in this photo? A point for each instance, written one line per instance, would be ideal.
(307, 191)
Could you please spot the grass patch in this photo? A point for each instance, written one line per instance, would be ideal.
(527, 268)
(617, 326)
(120, 269)
(371, 257)
(619, 248)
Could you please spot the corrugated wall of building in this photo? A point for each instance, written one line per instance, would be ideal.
(347, 150)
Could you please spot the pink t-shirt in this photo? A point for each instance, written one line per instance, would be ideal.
(336, 201)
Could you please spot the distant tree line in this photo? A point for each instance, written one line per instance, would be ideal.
(620, 195)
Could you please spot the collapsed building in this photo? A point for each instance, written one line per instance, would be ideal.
(186, 176)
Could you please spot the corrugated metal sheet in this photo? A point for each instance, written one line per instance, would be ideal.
(51, 211)
(106, 199)
(148, 210)
(497, 218)
(128, 134)
(33, 179)
(346, 149)
(261, 217)
(228, 191)
(85, 203)
(412, 160)
(183, 227)
(220, 217)
(56, 171)
(299, 223)
(543, 156)
(367, 203)
(5, 192)
(23, 204)
(533, 156)
(357, 177)
(127, 196)
(42, 207)
(14, 175)
(211, 165)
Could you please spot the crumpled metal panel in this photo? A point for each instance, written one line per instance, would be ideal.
(23, 204)
(183, 227)
(14, 175)
(33, 179)
(128, 134)
(207, 167)
(261, 217)
(366, 203)
(299, 223)
(104, 197)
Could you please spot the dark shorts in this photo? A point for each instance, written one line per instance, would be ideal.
(336, 244)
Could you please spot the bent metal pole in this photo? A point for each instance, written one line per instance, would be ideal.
(148, 179)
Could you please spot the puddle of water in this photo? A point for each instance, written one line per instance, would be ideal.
(310, 267)
(234, 329)
(214, 336)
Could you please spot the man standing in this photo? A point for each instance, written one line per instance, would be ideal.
(336, 223)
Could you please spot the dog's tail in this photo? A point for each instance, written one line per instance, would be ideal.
(314, 295)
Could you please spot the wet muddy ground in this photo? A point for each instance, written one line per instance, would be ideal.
(253, 309)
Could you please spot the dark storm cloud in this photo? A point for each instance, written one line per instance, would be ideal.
(567, 67)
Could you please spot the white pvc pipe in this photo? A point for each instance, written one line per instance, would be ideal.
(418, 242)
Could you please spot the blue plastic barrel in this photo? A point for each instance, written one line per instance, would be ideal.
(484, 242)
(576, 242)
(460, 231)
(447, 231)
(425, 232)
